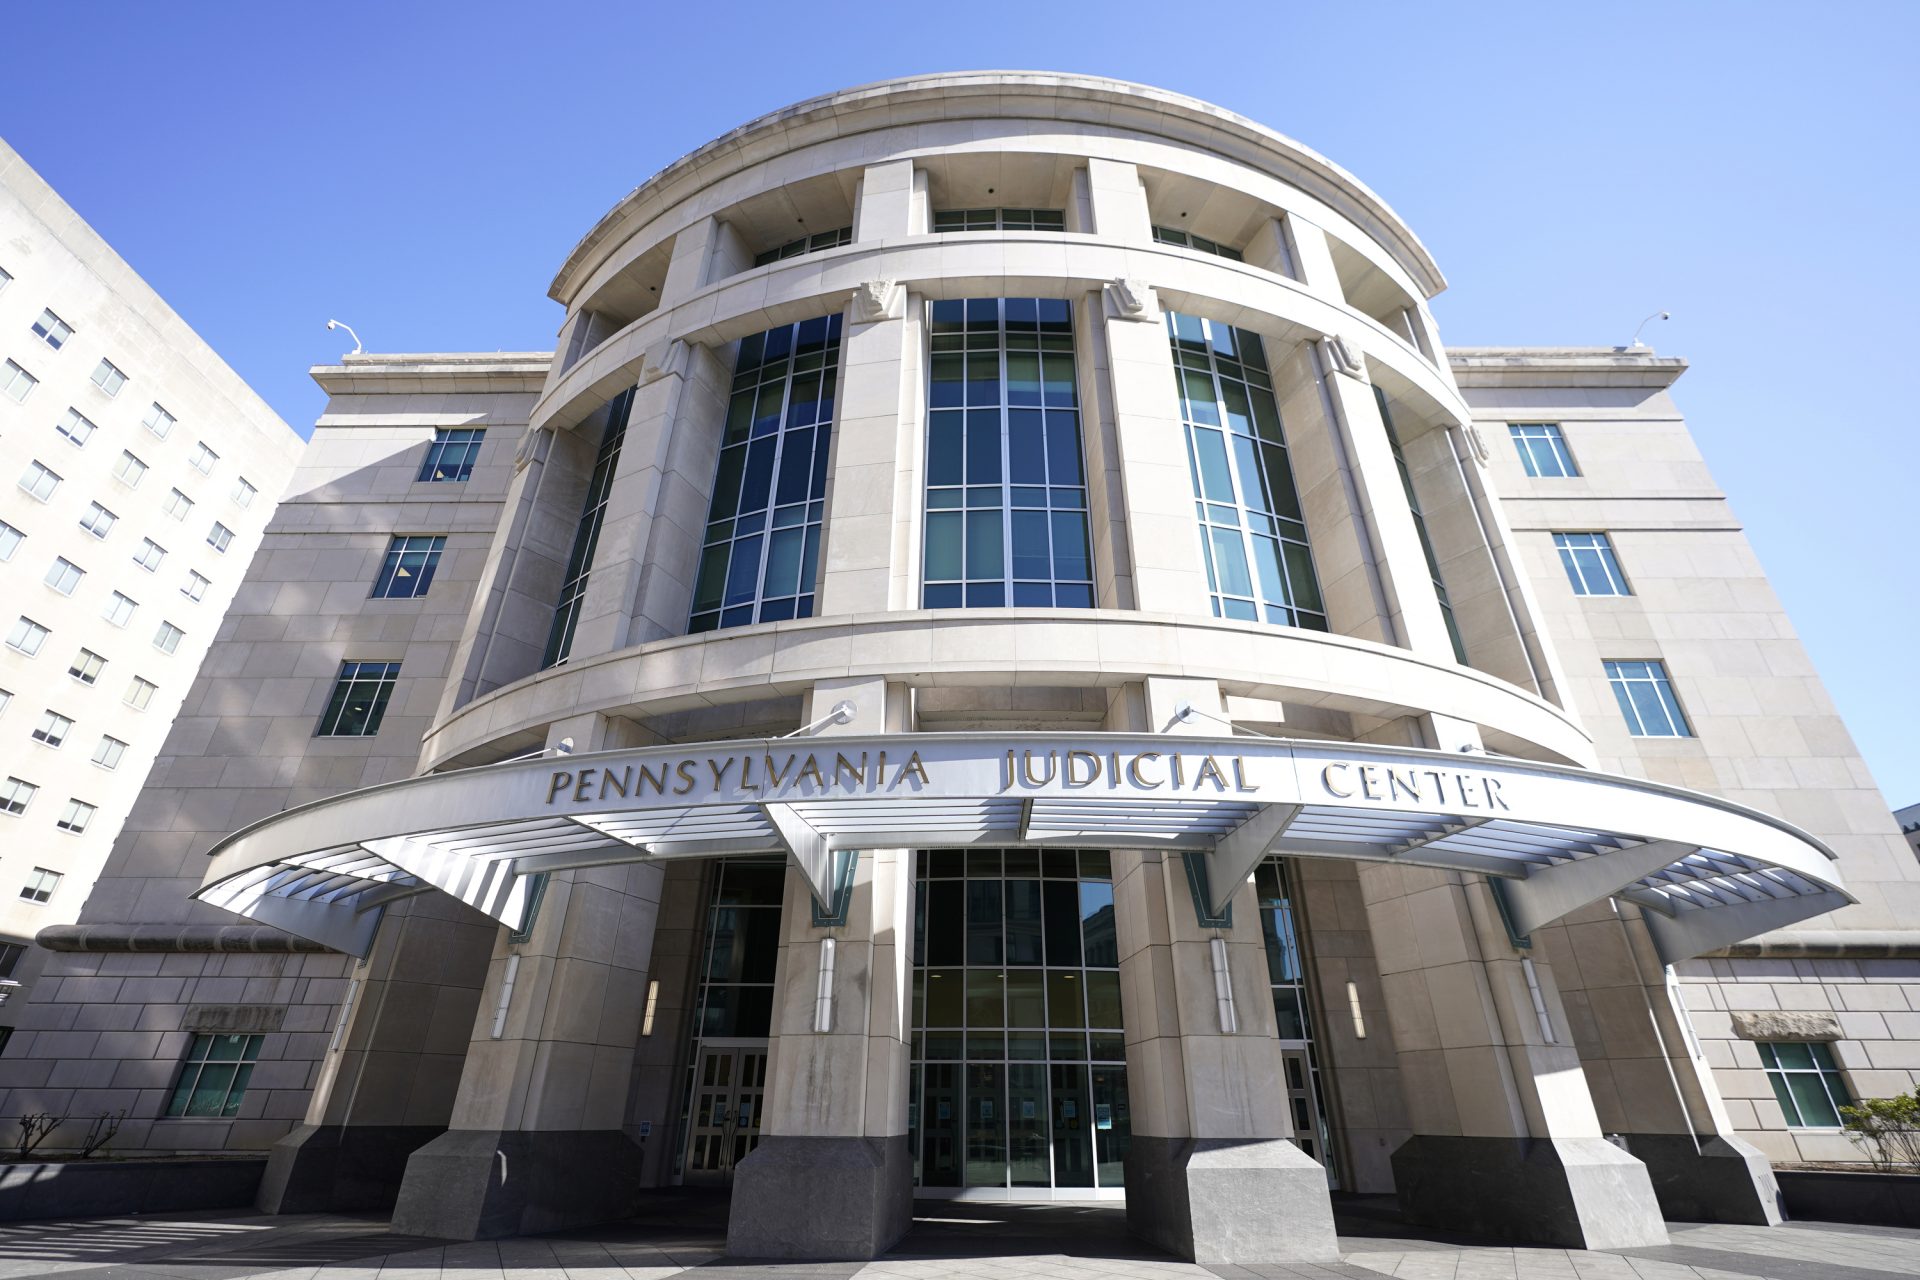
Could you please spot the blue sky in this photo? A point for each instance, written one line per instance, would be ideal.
(420, 171)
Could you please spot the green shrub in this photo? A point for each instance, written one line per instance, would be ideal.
(1887, 1129)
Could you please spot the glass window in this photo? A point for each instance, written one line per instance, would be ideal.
(202, 458)
(52, 729)
(1420, 527)
(451, 455)
(243, 493)
(129, 470)
(1006, 488)
(98, 521)
(6, 699)
(1169, 235)
(1253, 536)
(87, 666)
(408, 570)
(196, 586)
(1590, 564)
(214, 1077)
(10, 952)
(805, 244)
(1543, 450)
(75, 427)
(108, 377)
(219, 537)
(760, 556)
(159, 421)
(41, 885)
(359, 700)
(64, 575)
(167, 638)
(6, 278)
(15, 795)
(586, 535)
(16, 383)
(1647, 700)
(52, 330)
(140, 693)
(107, 755)
(119, 610)
(75, 817)
(27, 636)
(1807, 1083)
(177, 505)
(10, 540)
(149, 555)
(39, 481)
(1000, 220)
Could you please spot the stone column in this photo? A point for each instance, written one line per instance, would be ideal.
(1506, 1141)
(832, 1177)
(393, 1060)
(1210, 1174)
(535, 1141)
(1651, 1087)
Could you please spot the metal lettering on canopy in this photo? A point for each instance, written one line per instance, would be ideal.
(1708, 871)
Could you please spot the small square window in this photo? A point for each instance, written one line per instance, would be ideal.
(119, 610)
(213, 1079)
(75, 817)
(451, 455)
(10, 540)
(1647, 700)
(149, 555)
(1591, 566)
(167, 638)
(87, 666)
(107, 755)
(409, 567)
(39, 481)
(6, 278)
(1806, 1082)
(129, 470)
(52, 729)
(159, 421)
(6, 699)
(359, 701)
(27, 636)
(203, 458)
(1543, 450)
(10, 952)
(98, 521)
(196, 587)
(140, 693)
(64, 575)
(16, 383)
(243, 493)
(177, 505)
(75, 427)
(52, 330)
(219, 537)
(15, 795)
(41, 885)
(107, 377)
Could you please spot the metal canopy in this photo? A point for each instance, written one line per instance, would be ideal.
(1708, 871)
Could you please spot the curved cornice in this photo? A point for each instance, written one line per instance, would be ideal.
(1093, 100)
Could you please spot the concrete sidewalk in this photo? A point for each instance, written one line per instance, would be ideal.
(979, 1241)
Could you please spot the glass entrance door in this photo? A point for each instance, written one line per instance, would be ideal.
(728, 1082)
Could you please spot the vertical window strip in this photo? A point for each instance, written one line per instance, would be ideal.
(593, 512)
(759, 559)
(1647, 701)
(1420, 527)
(1591, 566)
(1253, 534)
(1006, 491)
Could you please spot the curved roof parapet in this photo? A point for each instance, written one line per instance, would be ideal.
(887, 103)
(1707, 871)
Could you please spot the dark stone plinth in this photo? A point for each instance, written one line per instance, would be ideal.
(340, 1168)
(821, 1198)
(1579, 1193)
(1229, 1201)
(1848, 1195)
(472, 1184)
(105, 1187)
(1719, 1180)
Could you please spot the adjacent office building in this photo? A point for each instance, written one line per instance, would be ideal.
(1001, 656)
(138, 474)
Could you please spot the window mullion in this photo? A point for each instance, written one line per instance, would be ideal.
(1006, 452)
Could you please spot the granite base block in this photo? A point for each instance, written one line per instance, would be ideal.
(821, 1198)
(1223, 1201)
(1717, 1179)
(106, 1187)
(482, 1184)
(340, 1168)
(1577, 1193)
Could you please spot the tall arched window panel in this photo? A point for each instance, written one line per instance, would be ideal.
(586, 536)
(1252, 535)
(759, 560)
(1006, 481)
